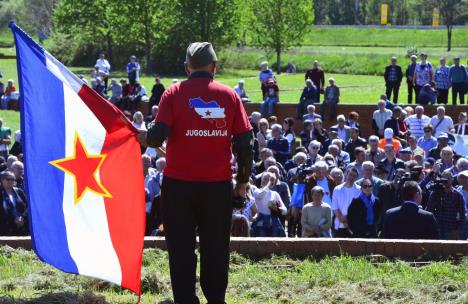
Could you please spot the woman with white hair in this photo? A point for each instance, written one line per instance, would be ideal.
(138, 121)
(265, 74)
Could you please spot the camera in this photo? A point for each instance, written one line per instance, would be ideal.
(438, 185)
(303, 171)
(238, 202)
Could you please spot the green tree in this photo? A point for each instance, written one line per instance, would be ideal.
(281, 24)
(450, 10)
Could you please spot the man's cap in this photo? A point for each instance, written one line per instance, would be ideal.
(334, 130)
(406, 151)
(443, 136)
(414, 56)
(418, 153)
(380, 169)
(242, 81)
(388, 133)
(200, 54)
(430, 161)
(456, 58)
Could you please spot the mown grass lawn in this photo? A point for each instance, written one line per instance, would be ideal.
(26, 280)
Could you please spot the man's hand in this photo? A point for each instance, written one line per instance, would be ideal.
(240, 190)
(142, 137)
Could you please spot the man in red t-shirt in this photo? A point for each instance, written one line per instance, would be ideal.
(206, 118)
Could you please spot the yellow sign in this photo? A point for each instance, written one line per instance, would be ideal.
(436, 17)
(384, 14)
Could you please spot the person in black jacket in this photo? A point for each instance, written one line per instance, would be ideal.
(409, 221)
(364, 213)
(156, 92)
(393, 76)
(13, 208)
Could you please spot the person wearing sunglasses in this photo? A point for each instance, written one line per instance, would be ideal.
(13, 207)
(364, 213)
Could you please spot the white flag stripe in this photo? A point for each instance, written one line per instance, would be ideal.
(210, 112)
(88, 235)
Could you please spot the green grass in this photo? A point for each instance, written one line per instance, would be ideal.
(24, 279)
(385, 37)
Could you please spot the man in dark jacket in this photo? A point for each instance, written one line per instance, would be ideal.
(409, 78)
(409, 221)
(393, 76)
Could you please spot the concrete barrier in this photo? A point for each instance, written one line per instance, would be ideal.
(302, 247)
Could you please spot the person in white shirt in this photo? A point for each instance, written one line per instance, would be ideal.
(341, 199)
(138, 121)
(269, 206)
(104, 68)
(379, 117)
(416, 122)
(441, 122)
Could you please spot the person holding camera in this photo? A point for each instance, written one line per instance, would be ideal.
(269, 206)
(448, 206)
(13, 207)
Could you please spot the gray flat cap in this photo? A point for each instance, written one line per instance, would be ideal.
(200, 54)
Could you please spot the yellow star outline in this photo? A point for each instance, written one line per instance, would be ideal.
(83, 167)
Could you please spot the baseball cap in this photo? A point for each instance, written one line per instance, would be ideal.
(200, 54)
(406, 151)
(430, 161)
(443, 136)
(388, 133)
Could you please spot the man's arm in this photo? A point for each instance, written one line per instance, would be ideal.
(242, 147)
(157, 134)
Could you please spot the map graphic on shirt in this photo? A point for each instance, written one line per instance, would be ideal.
(210, 111)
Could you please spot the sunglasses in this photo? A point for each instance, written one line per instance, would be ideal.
(10, 179)
(366, 186)
(427, 130)
(315, 148)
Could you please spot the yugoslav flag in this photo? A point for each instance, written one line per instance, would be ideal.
(83, 172)
(209, 110)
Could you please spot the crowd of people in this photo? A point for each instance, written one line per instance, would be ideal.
(320, 182)
(427, 84)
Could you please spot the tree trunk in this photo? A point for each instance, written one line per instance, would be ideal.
(278, 60)
(449, 38)
(109, 54)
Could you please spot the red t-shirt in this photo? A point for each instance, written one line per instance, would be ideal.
(202, 115)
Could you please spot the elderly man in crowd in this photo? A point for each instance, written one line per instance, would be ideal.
(279, 144)
(442, 81)
(240, 90)
(458, 79)
(463, 189)
(374, 153)
(448, 206)
(342, 157)
(344, 132)
(442, 142)
(409, 78)
(317, 76)
(379, 117)
(393, 76)
(368, 173)
(442, 123)
(309, 96)
(417, 121)
(311, 115)
(331, 99)
(461, 128)
(342, 197)
(394, 123)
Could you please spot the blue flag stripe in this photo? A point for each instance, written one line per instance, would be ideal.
(43, 132)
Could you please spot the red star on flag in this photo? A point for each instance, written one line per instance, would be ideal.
(208, 113)
(83, 167)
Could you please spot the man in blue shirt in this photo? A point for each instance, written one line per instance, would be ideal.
(427, 142)
(133, 70)
(458, 79)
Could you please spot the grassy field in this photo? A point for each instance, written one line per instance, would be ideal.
(24, 279)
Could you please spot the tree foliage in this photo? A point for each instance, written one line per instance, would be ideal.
(280, 24)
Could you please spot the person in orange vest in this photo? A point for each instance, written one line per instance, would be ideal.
(390, 140)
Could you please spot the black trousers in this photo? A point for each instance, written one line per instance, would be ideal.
(442, 96)
(458, 88)
(392, 86)
(205, 207)
(411, 88)
(417, 89)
